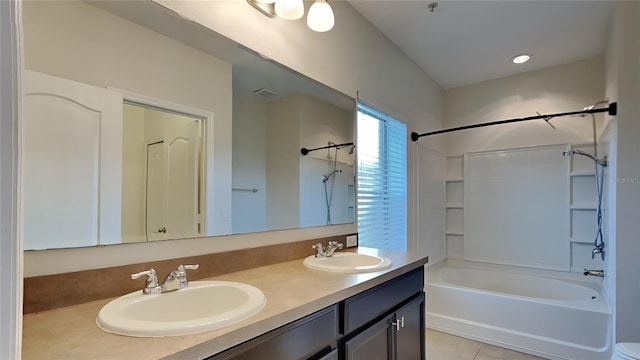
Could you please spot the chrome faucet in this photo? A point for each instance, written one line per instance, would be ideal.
(328, 252)
(175, 280)
(598, 273)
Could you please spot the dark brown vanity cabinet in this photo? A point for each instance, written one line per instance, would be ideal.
(397, 336)
(385, 322)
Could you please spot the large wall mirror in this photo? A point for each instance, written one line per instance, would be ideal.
(140, 126)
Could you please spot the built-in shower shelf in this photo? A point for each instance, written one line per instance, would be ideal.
(582, 173)
(455, 179)
(454, 206)
(583, 207)
(454, 233)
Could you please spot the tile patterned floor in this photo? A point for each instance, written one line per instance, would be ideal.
(442, 346)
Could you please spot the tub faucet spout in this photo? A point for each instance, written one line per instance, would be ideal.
(598, 273)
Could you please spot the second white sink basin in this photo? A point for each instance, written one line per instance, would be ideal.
(202, 306)
(348, 262)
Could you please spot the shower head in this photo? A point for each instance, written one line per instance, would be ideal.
(326, 177)
(579, 152)
(573, 152)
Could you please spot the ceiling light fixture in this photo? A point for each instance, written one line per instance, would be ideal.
(320, 17)
(521, 59)
(290, 9)
(266, 7)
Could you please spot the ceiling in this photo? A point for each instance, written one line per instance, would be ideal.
(465, 42)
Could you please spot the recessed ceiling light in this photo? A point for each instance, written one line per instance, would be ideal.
(521, 59)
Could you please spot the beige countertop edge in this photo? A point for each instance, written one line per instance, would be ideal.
(71, 333)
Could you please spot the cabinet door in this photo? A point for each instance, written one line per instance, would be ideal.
(409, 330)
(372, 344)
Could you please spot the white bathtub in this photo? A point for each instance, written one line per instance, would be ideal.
(535, 314)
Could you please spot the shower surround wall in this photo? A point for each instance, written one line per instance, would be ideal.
(558, 89)
(558, 238)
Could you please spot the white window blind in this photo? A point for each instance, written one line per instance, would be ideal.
(382, 180)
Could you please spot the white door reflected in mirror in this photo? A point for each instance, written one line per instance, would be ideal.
(161, 196)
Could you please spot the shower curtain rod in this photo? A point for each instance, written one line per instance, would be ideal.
(612, 109)
(305, 151)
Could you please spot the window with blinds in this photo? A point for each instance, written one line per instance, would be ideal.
(382, 180)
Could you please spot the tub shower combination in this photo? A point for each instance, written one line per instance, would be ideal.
(548, 313)
(555, 318)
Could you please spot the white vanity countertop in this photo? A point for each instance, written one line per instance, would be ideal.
(292, 291)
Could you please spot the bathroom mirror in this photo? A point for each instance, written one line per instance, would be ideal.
(242, 117)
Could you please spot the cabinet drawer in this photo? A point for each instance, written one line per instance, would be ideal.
(300, 339)
(367, 306)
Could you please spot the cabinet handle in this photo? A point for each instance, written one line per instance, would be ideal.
(396, 324)
(399, 323)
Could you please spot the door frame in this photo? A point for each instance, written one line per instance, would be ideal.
(206, 175)
(11, 53)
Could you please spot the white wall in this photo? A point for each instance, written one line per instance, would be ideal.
(561, 88)
(134, 162)
(431, 191)
(322, 123)
(623, 85)
(249, 164)
(283, 168)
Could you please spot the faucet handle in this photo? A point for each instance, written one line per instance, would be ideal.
(152, 277)
(319, 249)
(182, 274)
(188, 267)
(339, 245)
(152, 280)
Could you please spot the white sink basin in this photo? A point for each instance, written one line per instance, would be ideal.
(202, 306)
(348, 262)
